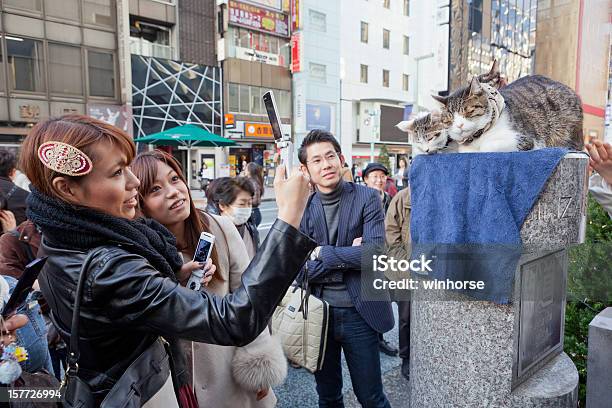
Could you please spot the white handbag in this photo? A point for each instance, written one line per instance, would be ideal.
(301, 321)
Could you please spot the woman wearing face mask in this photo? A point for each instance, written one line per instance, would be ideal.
(233, 198)
(84, 199)
(221, 376)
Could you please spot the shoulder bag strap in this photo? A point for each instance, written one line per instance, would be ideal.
(73, 353)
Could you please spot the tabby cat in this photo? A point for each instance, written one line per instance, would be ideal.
(530, 113)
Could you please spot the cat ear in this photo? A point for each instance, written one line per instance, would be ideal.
(475, 87)
(442, 99)
(406, 125)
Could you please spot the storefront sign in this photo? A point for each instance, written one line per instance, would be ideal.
(230, 122)
(29, 111)
(296, 53)
(259, 130)
(249, 54)
(257, 18)
(295, 15)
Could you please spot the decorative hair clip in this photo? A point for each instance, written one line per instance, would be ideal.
(65, 159)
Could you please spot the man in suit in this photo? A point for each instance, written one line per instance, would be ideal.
(12, 197)
(341, 216)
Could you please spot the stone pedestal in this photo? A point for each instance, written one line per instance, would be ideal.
(599, 384)
(467, 353)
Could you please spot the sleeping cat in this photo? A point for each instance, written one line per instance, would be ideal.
(530, 113)
(430, 132)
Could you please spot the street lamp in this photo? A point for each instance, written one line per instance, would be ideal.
(419, 59)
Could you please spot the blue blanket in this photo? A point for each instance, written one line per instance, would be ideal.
(467, 213)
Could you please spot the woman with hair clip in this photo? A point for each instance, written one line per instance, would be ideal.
(221, 376)
(127, 271)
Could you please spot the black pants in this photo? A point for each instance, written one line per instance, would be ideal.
(404, 328)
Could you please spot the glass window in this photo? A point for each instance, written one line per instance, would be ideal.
(99, 12)
(65, 9)
(244, 99)
(285, 104)
(387, 4)
(364, 32)
(1, 70)
(256, 108)
(318, 72)
(274, 45)
(407, 7)
(385, 79)
(317, 20)
(406, 45)
(234, 99)
(150, 40)
(101, 68)
(65, 69)
(32, 5)
(364, 74)
(26, 64)
(386, 35)
(406, 82)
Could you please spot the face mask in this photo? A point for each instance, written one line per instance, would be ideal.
(240, 215)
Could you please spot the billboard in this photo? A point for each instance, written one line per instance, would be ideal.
(318, 116)
(116, 115)
(258, 18)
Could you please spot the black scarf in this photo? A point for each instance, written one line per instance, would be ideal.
(73, 227)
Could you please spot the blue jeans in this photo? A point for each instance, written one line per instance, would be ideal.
(32, 336)
(350, 333)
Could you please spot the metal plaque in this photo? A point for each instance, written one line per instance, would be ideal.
(541, 309)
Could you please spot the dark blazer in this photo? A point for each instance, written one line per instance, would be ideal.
(361, 215)
(17, 201)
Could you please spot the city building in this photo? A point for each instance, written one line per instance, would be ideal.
(173, 74)
(316, 68)
(253, 48)
(58, 57)
(484, 30)
(393, 54)
(573, 47)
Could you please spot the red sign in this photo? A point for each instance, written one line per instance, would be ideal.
(258, 18)
(295, 15)
(296, 49)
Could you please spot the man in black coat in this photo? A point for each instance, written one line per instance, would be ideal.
(12, 198)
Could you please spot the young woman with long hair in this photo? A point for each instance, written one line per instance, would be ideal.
(222, 376)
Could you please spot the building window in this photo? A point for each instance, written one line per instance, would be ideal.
(385, 78)
(65, 70)
(364, 32)
(475, 16)
(407, 7)
(245, 103)
(285, 103)
(256, 108)
(99, 12)
(317, 20)
(364, 74)
(386, 35)
(406, 45)
(65, 9)
(150, 40)
(318, 72)
(101, 69)
(31, 5)
(233, 97)
(26, 64)
(406, 82)
(387, 4)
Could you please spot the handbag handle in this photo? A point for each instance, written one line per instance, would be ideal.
(305, 289)
(74, 353)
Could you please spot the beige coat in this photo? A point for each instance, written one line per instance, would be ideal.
(227, 376)
(397, 222)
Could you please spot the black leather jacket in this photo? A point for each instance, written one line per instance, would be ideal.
(127, 304)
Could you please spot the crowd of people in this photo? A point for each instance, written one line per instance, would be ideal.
(119, 231)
